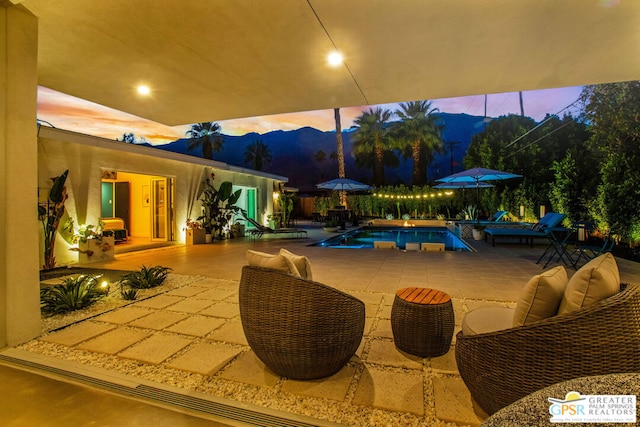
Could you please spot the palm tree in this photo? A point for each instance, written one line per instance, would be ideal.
(340, 151)
(371, 140)
(257, 155)
(320, 156)
(417, 135)
(207, 135)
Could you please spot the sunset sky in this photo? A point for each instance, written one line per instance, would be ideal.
(70, 113)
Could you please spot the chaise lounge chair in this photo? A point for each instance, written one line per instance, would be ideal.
(261, 230)
(547, 224)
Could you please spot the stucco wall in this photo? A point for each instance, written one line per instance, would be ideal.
(86, 157)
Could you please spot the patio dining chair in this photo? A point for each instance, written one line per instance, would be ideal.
(589, 252)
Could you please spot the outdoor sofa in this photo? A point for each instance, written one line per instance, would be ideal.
(588, 335)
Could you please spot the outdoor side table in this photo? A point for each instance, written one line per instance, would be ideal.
(422, 321)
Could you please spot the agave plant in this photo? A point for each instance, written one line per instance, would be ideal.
(73, 293)
(128, 293)
(145, 278)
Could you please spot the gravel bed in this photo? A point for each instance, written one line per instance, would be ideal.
(276, 398)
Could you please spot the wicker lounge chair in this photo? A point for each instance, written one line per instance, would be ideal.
(299, 328)
(504, 366)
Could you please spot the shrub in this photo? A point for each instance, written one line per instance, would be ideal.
(73, 293)
(145, 278)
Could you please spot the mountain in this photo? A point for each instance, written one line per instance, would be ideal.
(293, 153)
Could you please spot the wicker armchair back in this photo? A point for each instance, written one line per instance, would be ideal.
(299, 328)
(504, 366)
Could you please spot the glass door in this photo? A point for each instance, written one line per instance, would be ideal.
(159, 209)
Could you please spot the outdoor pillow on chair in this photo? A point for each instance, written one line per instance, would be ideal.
(596, 280)
(276, 262)
(301, 263)
(541, 297)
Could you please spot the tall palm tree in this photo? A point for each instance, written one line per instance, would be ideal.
(257, 155)
(371, 137)
(340, 151)
(206, 135)
(417, 135)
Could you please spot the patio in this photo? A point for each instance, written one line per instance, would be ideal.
(191, 336)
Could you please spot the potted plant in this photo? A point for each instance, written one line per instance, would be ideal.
(478, 232)
(93, 244)
(50, 213)
(219, 207)
(331, 226)
(195, 232)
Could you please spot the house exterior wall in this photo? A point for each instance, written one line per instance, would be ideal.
(86, 157)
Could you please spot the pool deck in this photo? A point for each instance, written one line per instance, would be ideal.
(381, 379)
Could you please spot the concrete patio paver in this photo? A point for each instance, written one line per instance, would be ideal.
(204, 358)
(391, 390)
(190, 305)
(114, 341)
(384, 352)
(156, 348)
(453, 401)
(334, 387)
(197, 326)
(124, 315)
(76, 334)
(159, 320)
(230, 332)
(247, 368)
(226, 310)
(160, 301)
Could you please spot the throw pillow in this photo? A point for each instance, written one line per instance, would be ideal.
(276, 262)
(301, 263)
(596, 280)
(541, 297)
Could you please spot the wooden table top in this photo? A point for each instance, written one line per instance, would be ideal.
(423, 296)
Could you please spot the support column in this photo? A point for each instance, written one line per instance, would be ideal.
(19, 233)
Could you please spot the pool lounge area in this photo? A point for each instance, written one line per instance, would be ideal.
(380, 386)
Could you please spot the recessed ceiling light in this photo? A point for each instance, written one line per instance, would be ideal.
(144, 90)
(334, 58)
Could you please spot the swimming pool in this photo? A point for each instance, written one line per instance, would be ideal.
(364, 237)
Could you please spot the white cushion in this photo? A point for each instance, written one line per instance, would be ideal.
(301, 262)
(276, 262)
(487, 319)
(596, 280)
(541, 297)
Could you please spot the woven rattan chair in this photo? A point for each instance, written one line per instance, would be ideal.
(504, 366)
(299, 328)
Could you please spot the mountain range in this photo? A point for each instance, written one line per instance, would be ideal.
(293, 153)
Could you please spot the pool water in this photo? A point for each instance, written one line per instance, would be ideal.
(365, 236)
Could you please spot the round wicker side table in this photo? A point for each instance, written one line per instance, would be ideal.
(422, 321)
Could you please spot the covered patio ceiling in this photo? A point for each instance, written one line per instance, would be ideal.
(218, 59)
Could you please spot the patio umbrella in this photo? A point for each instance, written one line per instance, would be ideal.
(343, 184)
(476, 177)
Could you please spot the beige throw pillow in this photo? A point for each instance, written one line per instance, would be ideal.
(541, 297)
(276, 262)
(301, 263)
(596, 280)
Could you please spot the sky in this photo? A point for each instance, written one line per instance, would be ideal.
(78, 115)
